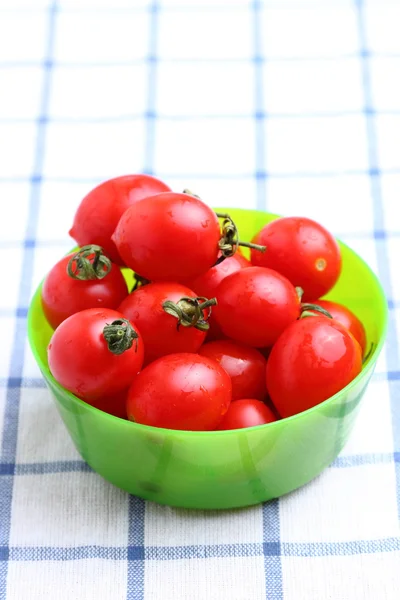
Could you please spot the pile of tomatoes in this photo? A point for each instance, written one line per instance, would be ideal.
(206, 339)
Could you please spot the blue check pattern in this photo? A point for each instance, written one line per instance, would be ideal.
(291, 107)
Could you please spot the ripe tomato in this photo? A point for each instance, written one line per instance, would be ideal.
(180, 391)
(301, 250)
(255, 305)
(99, 212)
(247, 413)
(162, 331)
(207, 283)
(168, 237)
(95, 353)
(313, 359)
(115, 404)
(86, 279)
(346, 318)
(245, 366)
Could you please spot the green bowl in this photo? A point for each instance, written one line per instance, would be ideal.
(223, 469)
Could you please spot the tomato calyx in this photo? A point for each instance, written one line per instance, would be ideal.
(89, 263)
(309, 310)
(189, 311)
(120, 336)
(229, 241)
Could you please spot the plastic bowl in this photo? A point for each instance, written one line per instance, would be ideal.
(224, 469)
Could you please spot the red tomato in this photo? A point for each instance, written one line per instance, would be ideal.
(99, 212)
(313, 359)
(113, 405)
(207, 283)
(169, 237)
(247, 413)
(346, 318)
(180, 391)
(301, 250)
(95, 353)
(245, 366)
(64, 294)
(160, 330)
(255, 305)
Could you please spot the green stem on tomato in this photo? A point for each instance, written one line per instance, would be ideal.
(190, 311)
(120, 336)
(89, 263)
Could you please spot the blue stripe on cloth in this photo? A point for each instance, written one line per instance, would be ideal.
(11, 413)
(392, 352)
(271, 550)
(217, 175)
(18, 382)
(136, 549)
(259, 114)
(151, 105)
(190, 552)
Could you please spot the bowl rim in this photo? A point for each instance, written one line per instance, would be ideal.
(367, 367)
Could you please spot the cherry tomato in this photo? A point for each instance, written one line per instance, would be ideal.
(168, 237)
(346, 318)
(207, 283)
(313, 359)
(301, 250)
(180, 391)
(245, 366)
(99, 212)
(92, 283)
(255, 305)
(113, 405)
(247, 413)
(95, 353)
(163, 332)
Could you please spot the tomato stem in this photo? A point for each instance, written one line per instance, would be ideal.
(120, 336)
(190, 311)
(309, 310)
(89, 263)
(229, 241)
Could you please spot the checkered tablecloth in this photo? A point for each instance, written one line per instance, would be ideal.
(289, 106)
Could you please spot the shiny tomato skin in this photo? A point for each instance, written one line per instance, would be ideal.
(303, 251)
(247, 413)
(180, 391)
(160, 331)
(207, 283)
(312, 360)
(100, 210)
(81, 362)
(62, 296)
(347, 318)
(168, 237)
(245, 366)
(255, 305)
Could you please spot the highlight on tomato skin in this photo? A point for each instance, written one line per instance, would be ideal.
(245, 366)
(247, 413)
(312, 360)
(303, 251)
(347, 318)
(100, 210)
(168, 237)
(255, 305)
(180, 391)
